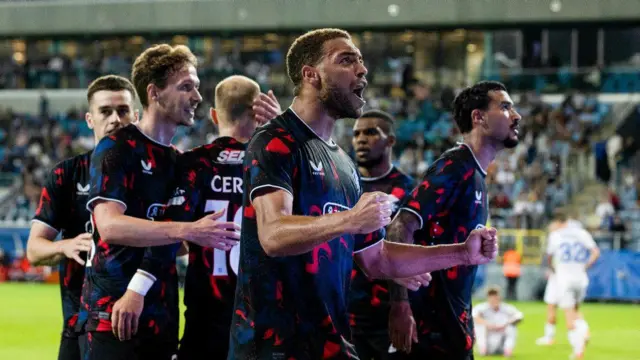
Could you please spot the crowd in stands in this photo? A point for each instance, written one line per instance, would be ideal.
(525, 183)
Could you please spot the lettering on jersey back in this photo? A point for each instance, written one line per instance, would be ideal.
(230, 157)
(226, 184)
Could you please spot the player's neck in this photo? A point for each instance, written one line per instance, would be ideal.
(315, 115)
(375, 171)
(484, 152)
(157, 128)
(234, 132)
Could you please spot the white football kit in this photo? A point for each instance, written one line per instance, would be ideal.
(570, 248)
(496, 342)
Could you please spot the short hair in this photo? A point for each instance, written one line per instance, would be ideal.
(472, 98)
(308, 49)
(156, 64)
(387, 118)
(560, 215)
(110, 83)
(235, 94)
(493, 291)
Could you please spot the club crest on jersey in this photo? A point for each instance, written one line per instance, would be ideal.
(82, 190)
(317, 168)
(155, 210)
(230, 157)
(331, 207)
(146, 167)
(178, 198)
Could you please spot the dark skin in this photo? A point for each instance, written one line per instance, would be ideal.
(372, 142)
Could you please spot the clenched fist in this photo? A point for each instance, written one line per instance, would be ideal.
(481, 246)
(372, 212)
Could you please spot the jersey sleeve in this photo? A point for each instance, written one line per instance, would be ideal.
(108, 171)
(184, 206)
(441, 182)
(512, 312)
(551, 244)
(270, 162)
(52, 198)
(588, 241)
(365, 241)
(479, 309)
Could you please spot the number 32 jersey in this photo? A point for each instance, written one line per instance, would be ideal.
(210, 180)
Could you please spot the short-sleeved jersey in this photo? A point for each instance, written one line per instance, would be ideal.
(209, 180)
(369, 299)
(450, 202)
(504, 314)
(63, 207)
(131, 169)
(570, 248)
(296, 306)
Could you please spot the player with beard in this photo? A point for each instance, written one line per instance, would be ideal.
(132, 176)
(210, 180)
(62, 206)
(449, 203)
(373, 140)
(305, 217)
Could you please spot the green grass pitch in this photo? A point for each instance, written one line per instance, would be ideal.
(30, 317)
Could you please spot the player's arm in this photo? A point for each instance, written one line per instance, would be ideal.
(390, 260)
(515, 315)
(272, 163)
(109, 167)
(50, 214)
(593, 247)
(478, 319)
(283, 234)
(440, 184)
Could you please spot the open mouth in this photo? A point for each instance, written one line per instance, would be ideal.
(359, 90)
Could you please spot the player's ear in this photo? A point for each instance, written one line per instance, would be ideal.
(152, 93)
(214, 115)
(89, 119)
(391, 140)
(478, 118)
(136, 115)
(311, 74)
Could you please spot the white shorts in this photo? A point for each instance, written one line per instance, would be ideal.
(571, 292)
(551, 291)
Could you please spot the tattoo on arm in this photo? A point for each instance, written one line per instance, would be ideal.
(401, 231)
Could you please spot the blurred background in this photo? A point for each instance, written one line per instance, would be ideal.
(572, 66)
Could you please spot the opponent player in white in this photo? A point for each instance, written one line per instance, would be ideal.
(572, 251)
(495, 325)
(551, 292)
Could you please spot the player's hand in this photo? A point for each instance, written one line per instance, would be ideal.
(208, 232)
(402, 326)
(126, 314)
(372, 212)
(415, 282)
(71, 248)
(481, 246)
(266, 107)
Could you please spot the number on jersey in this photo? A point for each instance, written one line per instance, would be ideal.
(573, 252)
(219, 256)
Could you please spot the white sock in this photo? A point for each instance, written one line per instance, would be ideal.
(549, 330)
(582, 326)
(576, 340)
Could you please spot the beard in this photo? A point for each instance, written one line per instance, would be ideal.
(338, 103)
(510, 143)
(370, 163)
